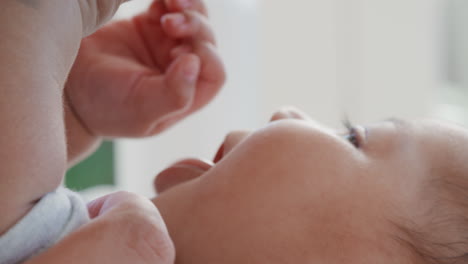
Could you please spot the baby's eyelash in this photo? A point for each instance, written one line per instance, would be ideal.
(352, 135)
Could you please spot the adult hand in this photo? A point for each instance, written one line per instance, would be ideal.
(137, 77)
(126, 228)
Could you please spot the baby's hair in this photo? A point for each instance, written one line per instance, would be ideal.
(443, 238)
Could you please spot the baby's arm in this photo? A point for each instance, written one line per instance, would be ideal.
(37, 49)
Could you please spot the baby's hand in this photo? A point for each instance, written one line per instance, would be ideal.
(125, 228)
(137, 77)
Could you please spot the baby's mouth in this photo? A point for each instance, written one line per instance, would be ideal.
(189, 169)
(180, 172)
(219, 154)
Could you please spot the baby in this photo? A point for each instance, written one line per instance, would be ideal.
(293, 192)
(298, 192)
(60, 96)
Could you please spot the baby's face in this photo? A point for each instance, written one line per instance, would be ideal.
(298, 192)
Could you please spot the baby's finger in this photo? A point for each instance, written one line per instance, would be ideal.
(180, 50)
(182, 5)
(210, 81)
(160, 97)
(188, 24)
(138, 214)
(212, 75)
(117, 201)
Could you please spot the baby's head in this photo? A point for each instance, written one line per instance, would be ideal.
(298, 192)
(437, 230)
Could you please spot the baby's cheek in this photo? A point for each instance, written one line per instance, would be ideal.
(394, 186)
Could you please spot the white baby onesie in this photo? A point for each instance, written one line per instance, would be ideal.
(53, 217)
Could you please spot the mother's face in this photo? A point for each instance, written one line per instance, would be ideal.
(297, 192)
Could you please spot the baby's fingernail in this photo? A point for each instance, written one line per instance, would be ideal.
(183, 49)
(176, 19)
(191, 70)
(185, 3)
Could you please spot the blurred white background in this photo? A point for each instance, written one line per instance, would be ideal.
(370, 59)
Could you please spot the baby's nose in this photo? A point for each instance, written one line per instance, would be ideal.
(289, 112)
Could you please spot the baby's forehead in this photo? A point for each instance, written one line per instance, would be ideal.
(445, 135)
(444, 144)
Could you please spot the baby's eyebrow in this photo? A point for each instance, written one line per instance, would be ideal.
(399, 123)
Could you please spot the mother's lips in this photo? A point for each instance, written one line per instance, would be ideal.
(179, 172)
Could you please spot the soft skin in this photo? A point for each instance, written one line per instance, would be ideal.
(136, 78)
(298, 192)
(46, 129)
(126, 228)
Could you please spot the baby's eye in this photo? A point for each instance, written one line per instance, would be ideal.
(354, 134)
(353, 137)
